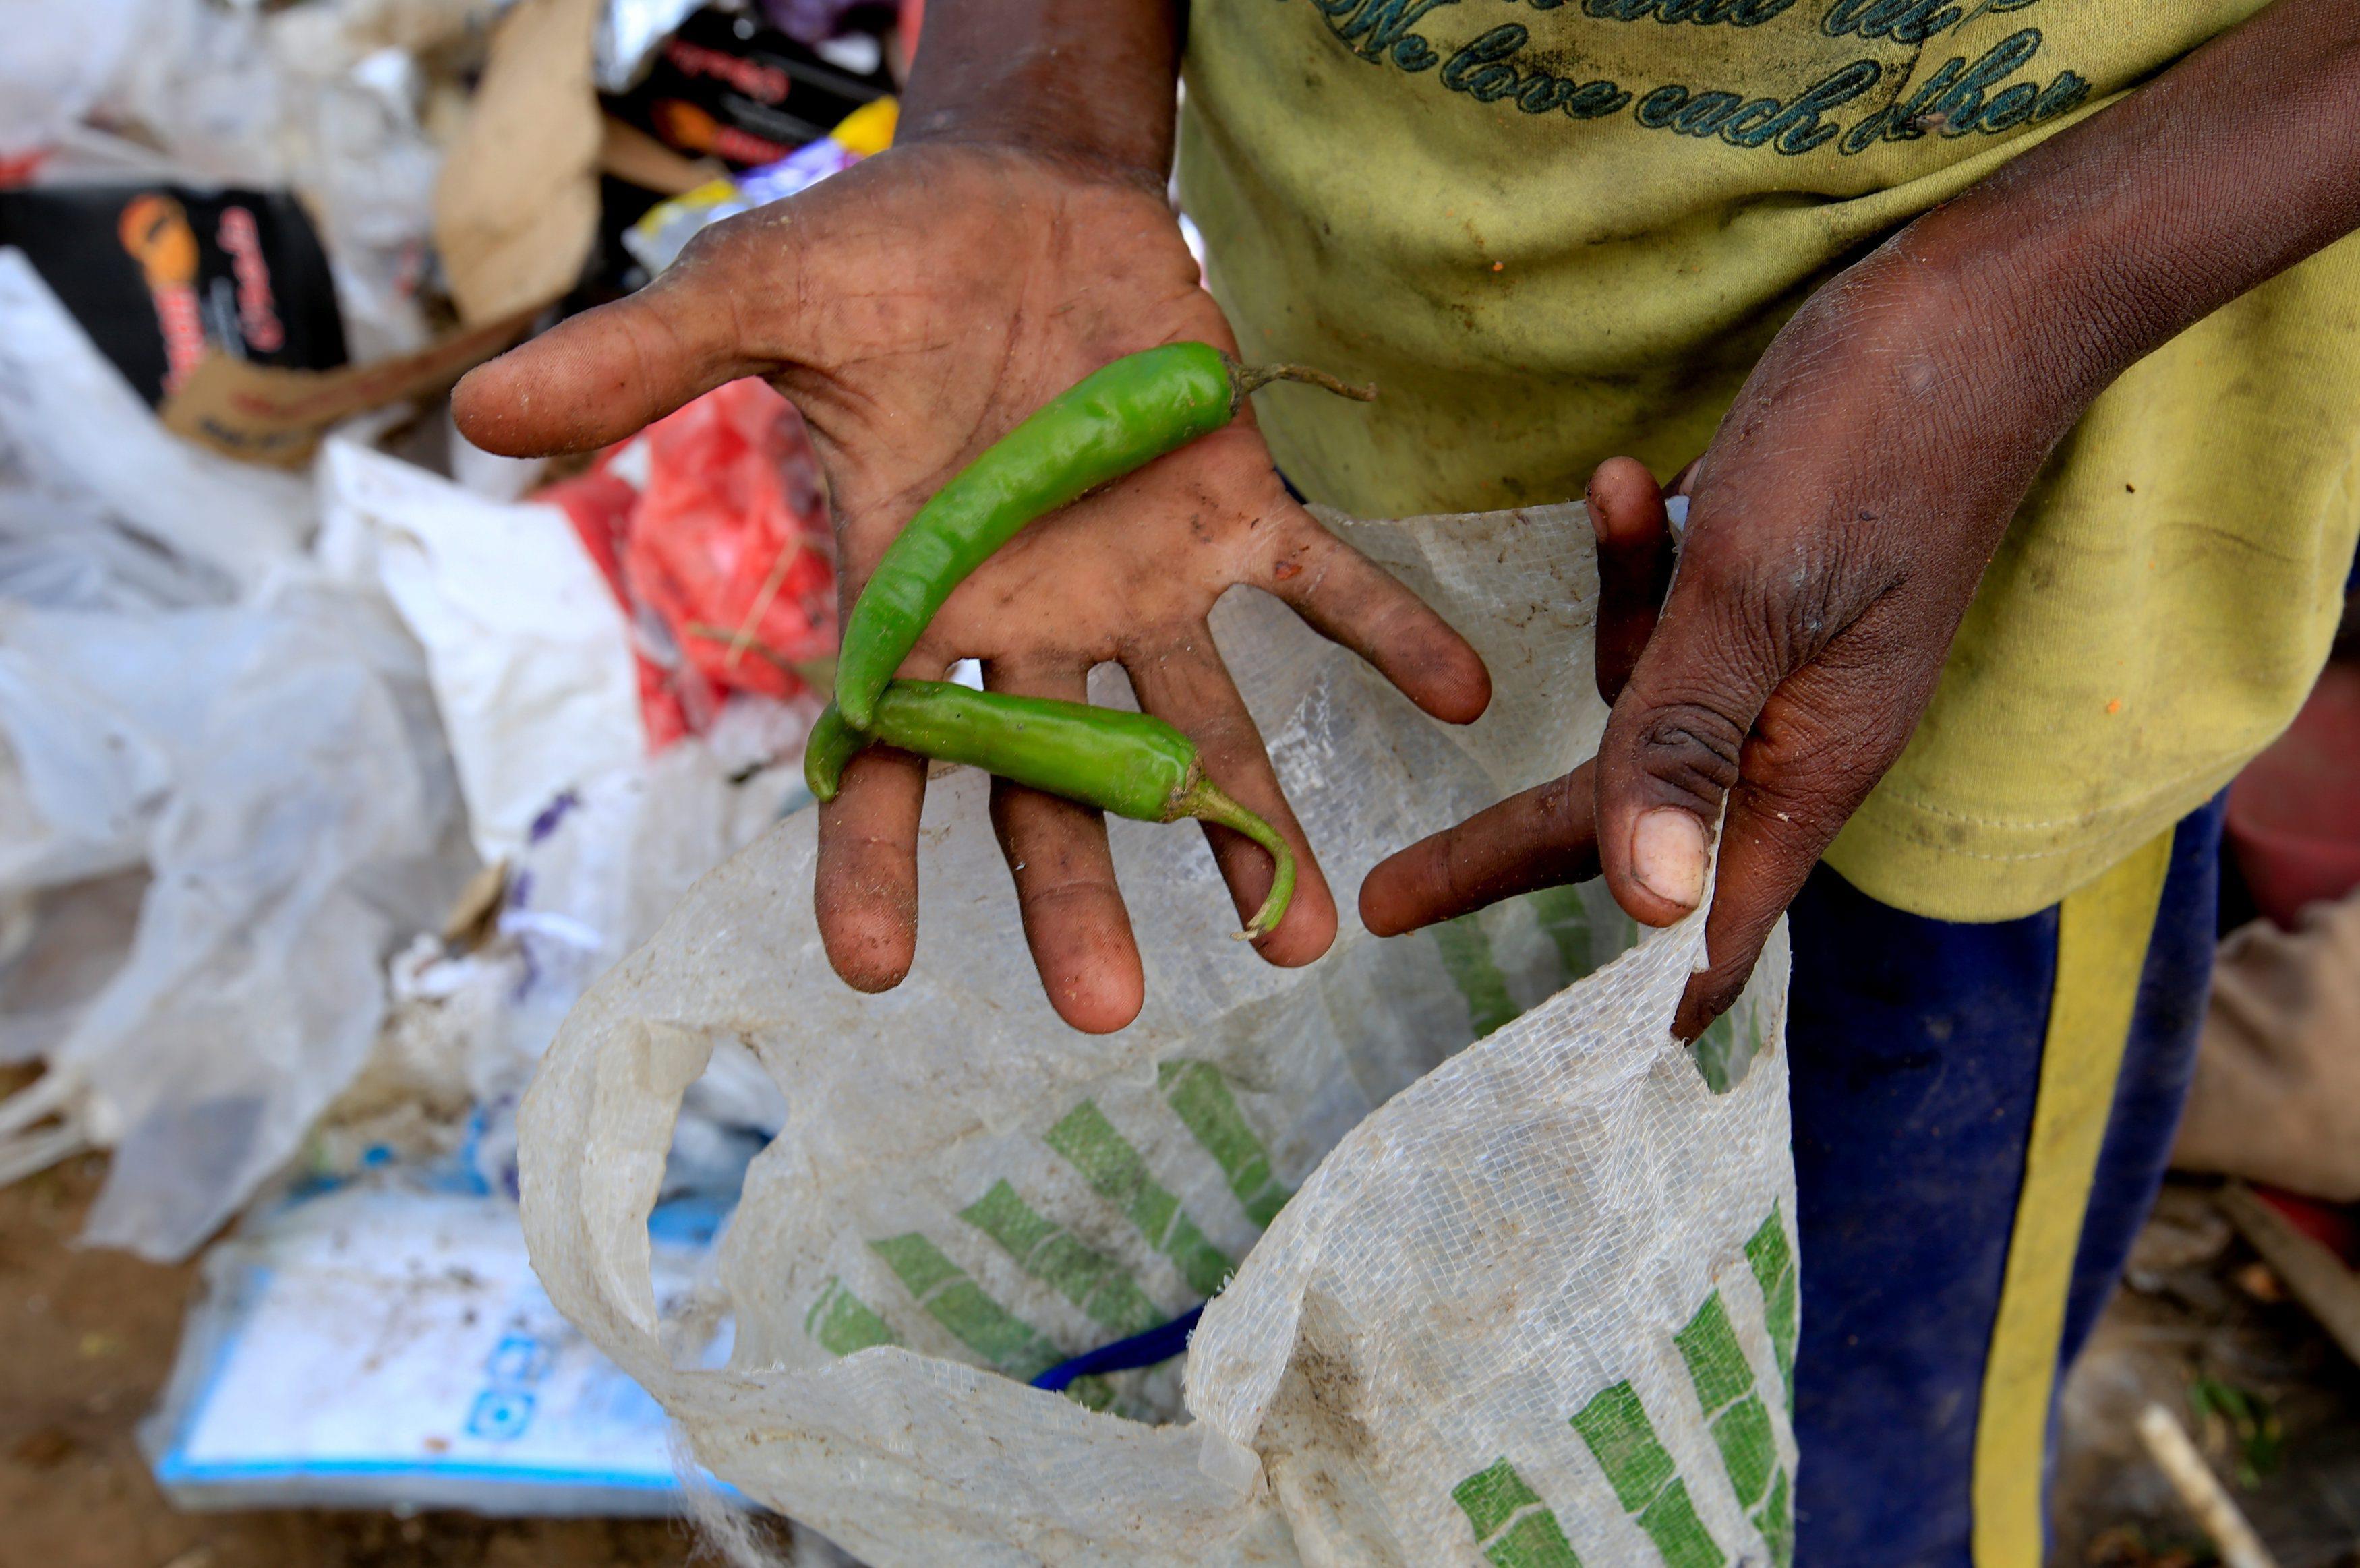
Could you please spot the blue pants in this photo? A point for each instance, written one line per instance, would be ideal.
(1972, 1163)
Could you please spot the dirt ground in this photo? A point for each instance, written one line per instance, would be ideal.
(2202, 1326)
(88, 1338)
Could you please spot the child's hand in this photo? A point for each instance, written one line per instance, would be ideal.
(1547, 836)
(915, 309)
(1846, 508)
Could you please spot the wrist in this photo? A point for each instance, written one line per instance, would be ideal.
(1092, 85)
(2124, 229)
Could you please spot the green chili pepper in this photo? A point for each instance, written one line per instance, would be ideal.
(1111, 421)
(1133, 764)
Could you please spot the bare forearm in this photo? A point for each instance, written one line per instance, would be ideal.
(1091, 83)
(2123, 230)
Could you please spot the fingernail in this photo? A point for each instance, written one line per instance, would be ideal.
(1667, 856)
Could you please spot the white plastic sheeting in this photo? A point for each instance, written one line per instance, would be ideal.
(275, 767)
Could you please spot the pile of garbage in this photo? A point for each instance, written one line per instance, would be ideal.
(337, 758)
(339, 761)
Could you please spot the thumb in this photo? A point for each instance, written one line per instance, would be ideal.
(1673, 745)
(602, 376)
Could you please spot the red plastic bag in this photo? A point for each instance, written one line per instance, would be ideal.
(710, 527)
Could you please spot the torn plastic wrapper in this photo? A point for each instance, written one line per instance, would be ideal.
(731, 86)
(80, 430)
(659, 235)
(711, 529)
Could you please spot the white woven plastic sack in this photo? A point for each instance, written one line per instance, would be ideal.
(1530, 1302)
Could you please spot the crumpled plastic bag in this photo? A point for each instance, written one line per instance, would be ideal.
(711, 529)
(599, 834)
(1503, 1303)
(61, 549)
(529, 658)
(60, 55)
(78, 428)
(277, 768)
(603, 826)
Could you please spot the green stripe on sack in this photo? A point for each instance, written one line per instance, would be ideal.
(1716, 1365)
(1732, 1402)
(1747, 1447)
(1002, 1339)
(842, 1322)
(1641, 1471)
(1620, 1438)
(1466, 958)
(1645, 1478)
(1724, 1387)
(1536, 1540)
(1512, 1527)
(1107, 1161)
(1672, 1524)
(1049, 1253)
(1564, 919)
(1492, 1496)
(1776, 1523)
(1780, 1313)
(1200, 1097)
(1773, 1260)
(1767, 1251)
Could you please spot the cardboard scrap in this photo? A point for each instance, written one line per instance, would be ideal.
(516, 211)
(2317, 1276)
(630, 155)
(266, 414)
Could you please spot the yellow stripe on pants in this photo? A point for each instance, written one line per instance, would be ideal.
(2102, 940)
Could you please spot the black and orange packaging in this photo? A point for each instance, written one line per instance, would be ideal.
(160, 276)
(730, 86)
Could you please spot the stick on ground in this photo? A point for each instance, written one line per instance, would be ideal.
(2201, 1491)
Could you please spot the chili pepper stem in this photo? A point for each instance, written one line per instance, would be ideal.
(1247, 379)
(1204, 800)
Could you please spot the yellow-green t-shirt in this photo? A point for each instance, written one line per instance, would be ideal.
(1557, 230)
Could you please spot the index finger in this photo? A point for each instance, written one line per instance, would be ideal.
(1544, 837)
